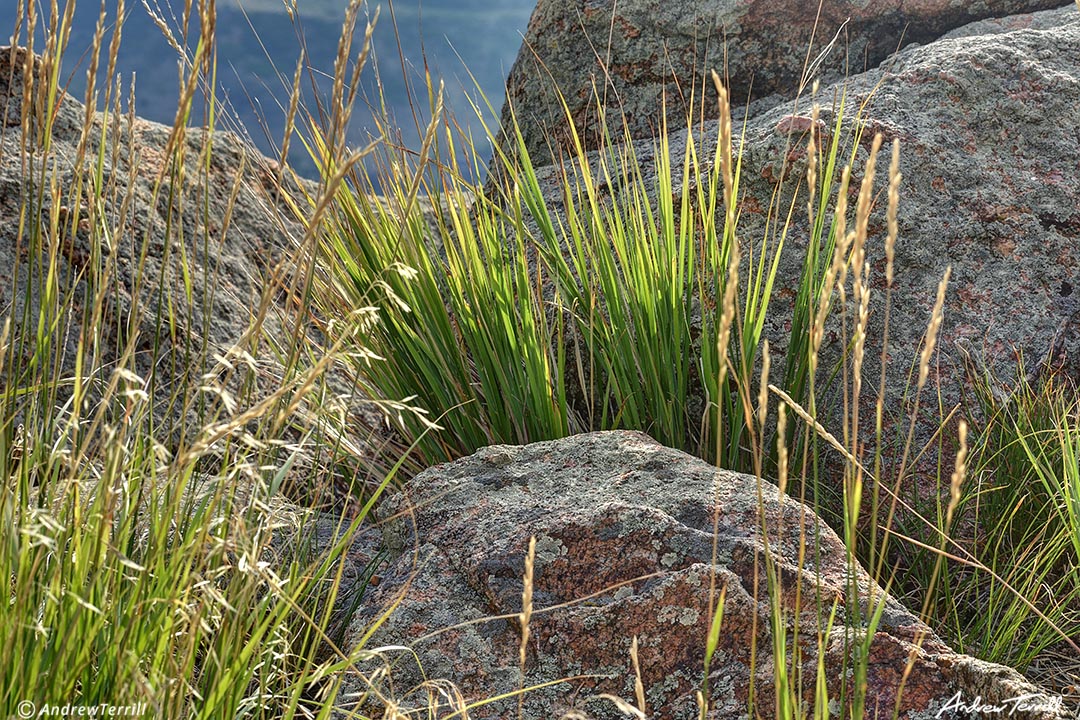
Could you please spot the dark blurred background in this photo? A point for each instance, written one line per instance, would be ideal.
(257, 40)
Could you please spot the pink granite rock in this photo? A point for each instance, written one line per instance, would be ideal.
(634, 52)
(624, 530)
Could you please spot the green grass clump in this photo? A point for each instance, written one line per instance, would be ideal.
(513, 317)
(1012, 594)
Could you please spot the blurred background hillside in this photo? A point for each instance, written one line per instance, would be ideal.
(258, 39)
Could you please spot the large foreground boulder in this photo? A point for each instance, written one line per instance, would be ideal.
(630, 538)
(631, 53)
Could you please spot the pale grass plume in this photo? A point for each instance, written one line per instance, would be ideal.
(933, 329)
(862, 219)
(290, 119)
(114, 52)
(727, 319)
(30, 108)
(862, 300)
(818, 427)
(639, 687)
(842, 204)
(525, 616)
(866, 195)
(91, 96)
(624, 707)
(763, 393)
(839, 258)
(526, 599)
(861, 277)
(158, 18)
(959, 473)
(727, 165)
(895, 178)
(812, 160)
(781, 448)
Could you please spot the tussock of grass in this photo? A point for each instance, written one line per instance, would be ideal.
(514, 319)
(1016, 516)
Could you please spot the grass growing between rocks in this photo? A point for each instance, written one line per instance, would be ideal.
(595, 297)
(1017, 517)
(152, 554)
(592, 296)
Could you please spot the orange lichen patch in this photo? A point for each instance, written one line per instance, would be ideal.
(629, 30)
(798, 125)
(1005, 246)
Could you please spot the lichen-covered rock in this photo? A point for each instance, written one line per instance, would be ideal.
(630, 539)
(631, 53)
(181, 267)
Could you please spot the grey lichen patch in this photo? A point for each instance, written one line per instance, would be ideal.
(932, 711)
(682, 615)
(723, 697)
(497, 455)
(549, 549)
(697, 576)
(629, 523)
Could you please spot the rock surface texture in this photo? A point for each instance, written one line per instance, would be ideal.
(989, 156)
(631, 53)
(625, 547)
(174, 273)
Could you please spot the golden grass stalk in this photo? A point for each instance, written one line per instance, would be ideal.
(893, 227)
(933, 330)
(525, 616)
(639, 687)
